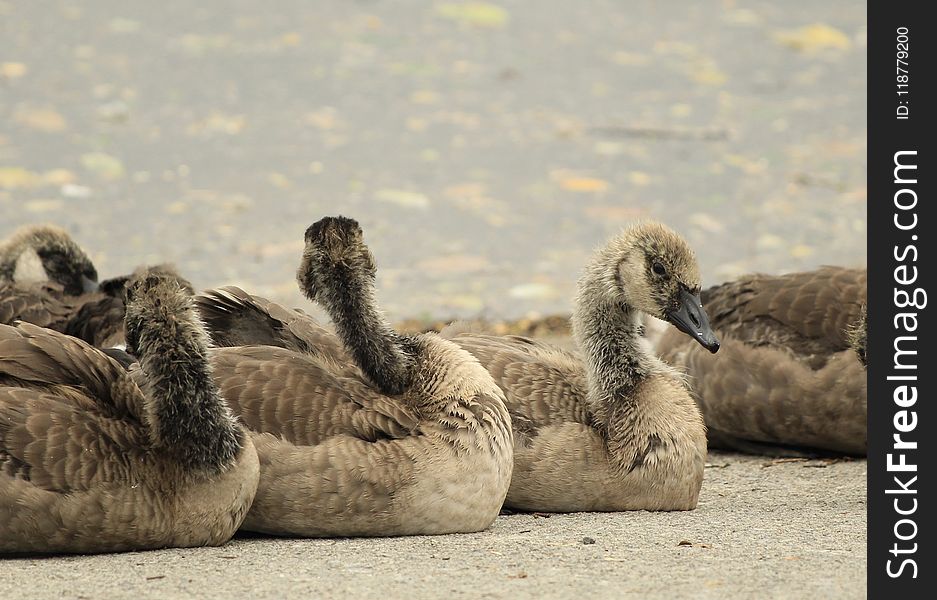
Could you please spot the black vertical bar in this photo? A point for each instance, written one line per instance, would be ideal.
(902, 165)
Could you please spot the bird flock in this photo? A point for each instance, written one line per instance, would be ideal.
(138, 414)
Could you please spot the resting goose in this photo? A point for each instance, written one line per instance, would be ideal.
(365, 432)
(619, 430)
(44, 276)
(791, 376)
(99, 319)
(90, 461)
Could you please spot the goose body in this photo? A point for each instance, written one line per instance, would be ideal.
(363, 432)
(45, 277)
(791, 374)
(616, 429)
(96, 459)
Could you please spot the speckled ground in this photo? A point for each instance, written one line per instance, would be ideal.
(486, 148)
(763, 529)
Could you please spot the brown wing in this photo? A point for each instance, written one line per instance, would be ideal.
(69, 416)
(41, 304)
(235, 318)
(43, 358)
(542, 384)
(305, 399)
(807, 313)
(100, 323)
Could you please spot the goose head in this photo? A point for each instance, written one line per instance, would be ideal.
(154, 299)
(41, 253)
(334, 245)
(652, 269)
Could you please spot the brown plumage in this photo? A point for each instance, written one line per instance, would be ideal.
(45, 277)
(619, 430)
(364, 432)
(790, 377)
(46, 254)
(96, 459)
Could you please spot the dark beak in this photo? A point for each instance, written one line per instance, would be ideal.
(88, 285)
(691, 319)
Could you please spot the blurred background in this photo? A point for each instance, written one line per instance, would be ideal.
(486, 148)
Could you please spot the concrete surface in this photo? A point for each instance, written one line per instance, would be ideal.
(763, 529)
(485, 147)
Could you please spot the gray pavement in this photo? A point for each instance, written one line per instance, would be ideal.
(486, 148)
(763, 529)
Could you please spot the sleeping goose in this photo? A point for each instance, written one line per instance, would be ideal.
(791, 376)
(44, 276)
(619, 430)
(90, 461)
(364, 432)
(45, 253)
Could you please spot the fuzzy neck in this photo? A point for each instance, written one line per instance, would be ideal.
(385, 356)
(186, 411)
(611, 336)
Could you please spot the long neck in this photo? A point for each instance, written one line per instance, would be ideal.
(378, 350)
(187, 412)
(610, 334)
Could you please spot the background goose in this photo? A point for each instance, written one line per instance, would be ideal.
(46, 254)
(44, 276)
(621, 431)
(99, 320)
(367, 433)
(90, 461)
(791, 373)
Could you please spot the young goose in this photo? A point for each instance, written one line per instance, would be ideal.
(37, 254)
(621, 431)
(45, 277)
(366, 432)
(92, 462)
(99, 320)
(791, 375)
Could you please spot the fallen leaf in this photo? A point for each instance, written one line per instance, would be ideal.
(43, 206)
(814, 38)
(13, 70)
(45, 119)
(403, 198)
(12, 178)
(478, 14)
(584, 184)
(103, 165)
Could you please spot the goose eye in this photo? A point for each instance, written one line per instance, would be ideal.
(659, 269)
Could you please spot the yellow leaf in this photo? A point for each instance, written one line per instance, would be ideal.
(279, 180)
(41, 119)
(177, 208)
(103, 165)
(58, 177)
(584, 184)
(479, 14)
(814, 38)
(639, 178)
(43, 206)
(291, 39)
(12, 178)
(12, 70)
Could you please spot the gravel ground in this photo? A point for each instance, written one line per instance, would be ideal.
(486, 148)
(763, 529)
